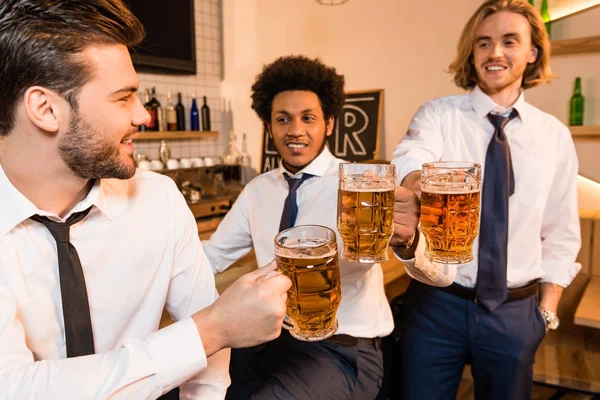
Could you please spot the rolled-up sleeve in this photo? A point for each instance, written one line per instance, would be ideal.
(561, 234)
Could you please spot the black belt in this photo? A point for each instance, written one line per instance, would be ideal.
(348, 340)
(466, 293)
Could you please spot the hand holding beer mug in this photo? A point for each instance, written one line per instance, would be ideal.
(450, 201)
(366, 210)
(307, 254)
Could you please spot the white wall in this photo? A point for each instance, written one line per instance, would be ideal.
(400, 46)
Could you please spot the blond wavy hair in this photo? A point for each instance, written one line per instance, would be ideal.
(535, 73)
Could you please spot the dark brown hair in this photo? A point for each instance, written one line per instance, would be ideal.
(41, 43)
(535, 73)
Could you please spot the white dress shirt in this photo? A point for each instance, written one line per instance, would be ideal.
(140, 252)
(253, 221)
(543, 228)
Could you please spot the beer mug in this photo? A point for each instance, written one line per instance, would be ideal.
(365, 217)
(307, 254)
(450, 201)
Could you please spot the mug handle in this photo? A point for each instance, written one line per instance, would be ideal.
(287, 321)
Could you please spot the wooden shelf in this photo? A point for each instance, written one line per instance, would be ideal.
(587, 44)
(592, 131)
(172, 135)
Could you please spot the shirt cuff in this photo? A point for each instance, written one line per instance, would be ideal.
(557, 273)
(177, 352)
(423, 270)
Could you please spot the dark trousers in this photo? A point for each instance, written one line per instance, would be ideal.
(443, 332)
(287, 368)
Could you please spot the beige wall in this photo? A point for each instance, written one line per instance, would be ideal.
(400, 46)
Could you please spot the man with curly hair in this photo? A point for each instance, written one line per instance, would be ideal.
(298, 100)
(485, 312)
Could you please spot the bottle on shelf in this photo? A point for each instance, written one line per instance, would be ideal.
(152, 125)
(194, 116)
(144, 128)
(171, 114)
(577, 104)
(180, 113)
(244, 158)
(546, 17)
(232, 155)
(205, 112)
(158, 112)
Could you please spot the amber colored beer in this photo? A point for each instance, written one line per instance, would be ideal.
(450, 223)
(314, 296)
(366, 223)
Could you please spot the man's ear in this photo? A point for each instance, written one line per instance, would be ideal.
(268, 129)
(534, 54)
(329, 126)
(41, 106)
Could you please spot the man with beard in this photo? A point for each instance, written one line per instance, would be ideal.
(91, 252)
(298, 100)
(485, 312)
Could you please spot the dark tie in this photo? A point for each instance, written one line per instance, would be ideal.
(498, 185)
(290, 208)
(76, 310)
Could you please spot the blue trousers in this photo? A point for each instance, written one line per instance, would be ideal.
(444, 332)
(287, 369)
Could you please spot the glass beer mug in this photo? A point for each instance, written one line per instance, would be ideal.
(365, 217)
(450, 201)
(307, 254)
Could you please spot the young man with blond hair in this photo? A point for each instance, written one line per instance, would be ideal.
(485, 312)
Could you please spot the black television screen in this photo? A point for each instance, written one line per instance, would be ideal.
(169, 45)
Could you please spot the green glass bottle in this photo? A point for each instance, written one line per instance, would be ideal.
(546, 17)
(577, 102)
(531, 2)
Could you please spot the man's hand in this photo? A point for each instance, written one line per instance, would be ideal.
(248, 313)
(406, 216)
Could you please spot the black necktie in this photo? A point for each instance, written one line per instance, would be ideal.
(76, 310)
(498, 186)
(290, 208)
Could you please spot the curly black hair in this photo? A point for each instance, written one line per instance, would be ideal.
(298, 73)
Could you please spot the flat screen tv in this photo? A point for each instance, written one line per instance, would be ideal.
(169, 45)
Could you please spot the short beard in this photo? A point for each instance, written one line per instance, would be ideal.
(89, 157)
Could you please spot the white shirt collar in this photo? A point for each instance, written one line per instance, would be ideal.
(318, 166)
(16, 208)
(482, 105)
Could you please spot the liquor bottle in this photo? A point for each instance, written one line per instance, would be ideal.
(194, 116)
(143, 128)
(546, 17)
(155, 104)
(577, 103)
(180, 113)
(531, 2)
(245, 159)
(232, 155)
(171, 114)
(151, 108)
(205, 112)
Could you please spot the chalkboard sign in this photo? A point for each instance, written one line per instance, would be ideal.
(356, 134)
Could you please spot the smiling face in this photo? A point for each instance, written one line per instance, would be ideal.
(298, 127)
(501, 53)
(98, 141)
